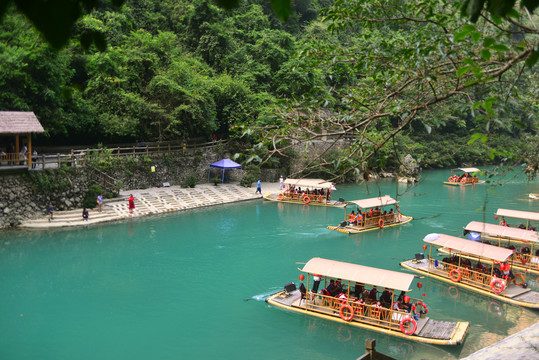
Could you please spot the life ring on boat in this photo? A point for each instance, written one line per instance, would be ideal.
(280, 196)
(306, 199)
(473, 181)
(458, 277)
(450, 179)
(519, 276)
(463, 181)
(423, 306)
(350, 310)
(455, 294)
(381, 223)
(400, 217)
(495, 289)
(410, 320)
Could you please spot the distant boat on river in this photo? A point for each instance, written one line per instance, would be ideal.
(372, 214)
(306, 192)
(464, 176)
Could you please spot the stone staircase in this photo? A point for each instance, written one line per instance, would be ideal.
(148, 202)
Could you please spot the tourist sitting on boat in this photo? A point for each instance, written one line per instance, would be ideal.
(385, 299)
(331, 288)
(506, 272)
(391, 211)
(358, 290)
(338, 286)
(405, 304)
(373, 294)
(397, 306)
(351, 216)
(503, 222)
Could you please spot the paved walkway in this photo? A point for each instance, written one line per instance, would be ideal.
(523, 345)
(152, 201)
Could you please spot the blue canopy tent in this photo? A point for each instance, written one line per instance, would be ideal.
(224, 164)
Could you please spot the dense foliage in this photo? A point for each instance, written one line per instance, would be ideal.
(391, 78)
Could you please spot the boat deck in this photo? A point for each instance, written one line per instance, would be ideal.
(513, 293)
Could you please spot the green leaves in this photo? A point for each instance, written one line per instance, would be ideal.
(281, 8)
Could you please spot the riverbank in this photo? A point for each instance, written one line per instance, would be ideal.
(152, 201)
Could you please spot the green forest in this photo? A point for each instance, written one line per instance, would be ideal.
(393, 78)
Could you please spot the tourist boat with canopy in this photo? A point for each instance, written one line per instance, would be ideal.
(468, 266)
(527, 216)
(355, 301)
(464, 176)
(371, 214)
(524, 243)
(306, 191)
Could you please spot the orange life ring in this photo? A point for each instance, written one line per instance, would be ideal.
(280, 196)
(473, 181)
(521, 279)
(494, 288)
(350, 310)
(412, 321)
(381, 223)
(455, 294)
(463, 181)
(400, 217)
(422, 304)
(450, 179)
(306, 199)
(459, 275)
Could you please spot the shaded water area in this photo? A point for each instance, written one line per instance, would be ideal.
(191, 284)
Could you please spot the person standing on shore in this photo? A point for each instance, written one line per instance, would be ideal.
(85, 214)
(131, 201)
(50, 212)
(281, 181)
(99, 202)
(258, 188)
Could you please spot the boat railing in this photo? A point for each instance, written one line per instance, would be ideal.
(287, 195)
(363, 312)
(464, 274)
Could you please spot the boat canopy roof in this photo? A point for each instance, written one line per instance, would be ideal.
(469, 247)
(503, 231)
(309, 183)
(470, 169)
(515, 214)
(373, 202)
(359, 273)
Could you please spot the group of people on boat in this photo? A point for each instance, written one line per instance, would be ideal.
(502, 270)
(317, 192)
(466, 177)
(360, 296)
(356, 219)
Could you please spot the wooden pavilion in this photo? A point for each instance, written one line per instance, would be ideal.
(18, 124)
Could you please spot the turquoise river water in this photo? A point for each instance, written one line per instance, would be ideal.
(190, 285)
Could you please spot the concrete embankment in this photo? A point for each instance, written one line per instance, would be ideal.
(150, 202)
(523, 345)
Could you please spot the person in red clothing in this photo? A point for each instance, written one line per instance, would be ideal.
(131, 201)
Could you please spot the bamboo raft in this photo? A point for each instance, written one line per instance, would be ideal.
(372, 217)
(463, 180)
(486, 283)
(386, 320)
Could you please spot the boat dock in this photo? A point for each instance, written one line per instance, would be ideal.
(148, 202)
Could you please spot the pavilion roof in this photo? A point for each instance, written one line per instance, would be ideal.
(19, 122)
